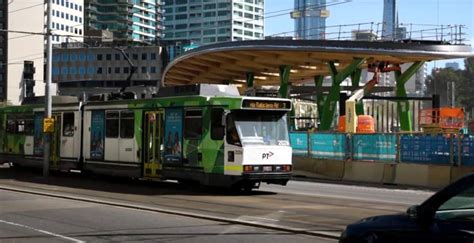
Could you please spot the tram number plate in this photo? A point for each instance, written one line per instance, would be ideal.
(268, 168)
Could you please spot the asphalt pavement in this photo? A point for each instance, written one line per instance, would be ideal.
(33, 218)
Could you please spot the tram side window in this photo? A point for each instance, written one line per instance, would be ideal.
(111, 124)
(217, 129)
(193, 124)
(29, 125)
(11, 125)
(20, 126)
(127, 124)
(68, 124)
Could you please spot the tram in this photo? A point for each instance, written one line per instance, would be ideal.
(200, 133)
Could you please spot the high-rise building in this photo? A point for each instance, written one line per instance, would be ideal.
(310, 19)
(67, 21)
(136, 21)
(24, 52)
(3, 50)
(389, 19)
(205, 22)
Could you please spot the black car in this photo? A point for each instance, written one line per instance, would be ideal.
(447, 216)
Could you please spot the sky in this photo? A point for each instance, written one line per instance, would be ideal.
(427, 12)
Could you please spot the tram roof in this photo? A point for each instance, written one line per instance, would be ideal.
(228, 62)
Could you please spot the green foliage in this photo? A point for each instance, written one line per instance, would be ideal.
(439, 82)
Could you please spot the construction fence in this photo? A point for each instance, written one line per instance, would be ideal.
(418, 148)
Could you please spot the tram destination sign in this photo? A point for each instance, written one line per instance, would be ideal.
(267, 104)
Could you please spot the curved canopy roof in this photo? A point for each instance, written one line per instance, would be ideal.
(230, 61)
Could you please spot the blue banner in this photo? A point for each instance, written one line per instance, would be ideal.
(328, 146)
(38, 148)
(379, 147)
(97, 135)
(467, 151)
(299, 143)
(173, 135)
(426, 149)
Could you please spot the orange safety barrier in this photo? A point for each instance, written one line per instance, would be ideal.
(341, 127)
(365, 124)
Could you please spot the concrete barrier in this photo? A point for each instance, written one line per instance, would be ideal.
(364, 171)
(318, 168)
(389, 170)
(434, 176)
(458, 172)
(411, 174)
(439, 176)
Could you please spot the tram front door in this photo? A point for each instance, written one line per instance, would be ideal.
(153, 144)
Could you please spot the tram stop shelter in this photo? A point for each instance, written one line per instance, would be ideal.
(286, 63)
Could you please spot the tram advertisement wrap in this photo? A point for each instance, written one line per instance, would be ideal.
(38, 135)
(97, 135)
(173, 135)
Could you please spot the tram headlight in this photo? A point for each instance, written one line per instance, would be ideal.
(248, 168)
(287, 168)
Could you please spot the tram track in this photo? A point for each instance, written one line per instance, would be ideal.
(314, 212)
(154, 209)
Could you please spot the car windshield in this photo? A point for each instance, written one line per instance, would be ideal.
(460, 206)
(252, 127)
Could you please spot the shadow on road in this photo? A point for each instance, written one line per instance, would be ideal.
(115, 184)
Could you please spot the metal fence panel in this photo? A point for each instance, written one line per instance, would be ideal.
(299, 143)
(328, 146)
(379, 147)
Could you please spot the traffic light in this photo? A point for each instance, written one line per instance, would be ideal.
(28, 81)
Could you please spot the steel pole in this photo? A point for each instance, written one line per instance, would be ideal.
(48, 105)
(453, 98)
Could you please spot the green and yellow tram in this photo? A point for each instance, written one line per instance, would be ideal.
(204, 133)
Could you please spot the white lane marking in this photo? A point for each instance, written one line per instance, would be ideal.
(276, 220)
(42, 231)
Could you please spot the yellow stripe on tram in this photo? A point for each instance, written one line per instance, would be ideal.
(233, 168)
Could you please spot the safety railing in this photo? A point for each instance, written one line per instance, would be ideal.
(372, 31)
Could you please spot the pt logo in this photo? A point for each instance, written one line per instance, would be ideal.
(267, 155)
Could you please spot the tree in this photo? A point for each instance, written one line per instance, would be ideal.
(465, 88)
(439, 82)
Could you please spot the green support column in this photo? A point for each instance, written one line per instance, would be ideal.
(249, 78)
(355, 78)
(333, 97)
(318, 83)
(403, 106)
(284, 77)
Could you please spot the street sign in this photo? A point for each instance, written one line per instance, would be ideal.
(48, 125)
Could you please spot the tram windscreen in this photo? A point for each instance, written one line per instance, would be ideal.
(258, 128)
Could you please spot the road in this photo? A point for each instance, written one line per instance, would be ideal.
(388, 195)
(26, 217)
(318, 208)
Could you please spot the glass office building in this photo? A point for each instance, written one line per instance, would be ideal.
(137, 21)
(310, 19)
(211, 21)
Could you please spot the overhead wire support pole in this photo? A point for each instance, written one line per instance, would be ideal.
(48, 105)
